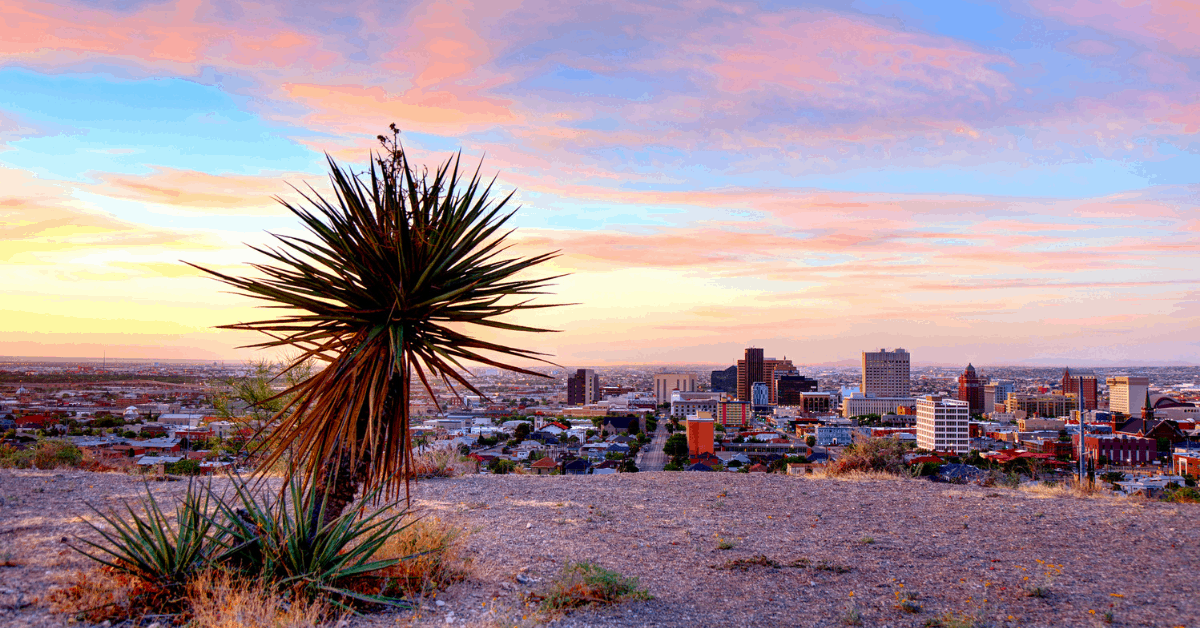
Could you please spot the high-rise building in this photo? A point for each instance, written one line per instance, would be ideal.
(750, 370)
(885, 373)
(760, 395)
(789, 388)
(756, 368)
(1081, 383)
(1126, 394)
(583, 387)
(725, 381)
(943, 424)
(970, 390)
(995, 393)
(664, 383)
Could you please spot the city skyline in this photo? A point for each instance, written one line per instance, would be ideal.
(989, 184)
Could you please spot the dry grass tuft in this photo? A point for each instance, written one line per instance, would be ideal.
(1068, 488)
(437, 561)
(219, 601)
(875, 455)
(95, 596)
(441, 463)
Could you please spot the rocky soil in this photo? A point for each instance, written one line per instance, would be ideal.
(800, 551)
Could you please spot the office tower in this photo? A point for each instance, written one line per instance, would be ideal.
(664, 383)
(769, 367)
(943, 424)
(1126, 394)
(1081, 383)
(750, 370)
(885, 373)
(760, 395)
(789, 389)
(970, 390)
(995, 393)
(725, 381)
(583, 387)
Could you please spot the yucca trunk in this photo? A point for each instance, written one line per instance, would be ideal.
(344, 477)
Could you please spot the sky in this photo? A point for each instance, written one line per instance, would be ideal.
(1000, 183)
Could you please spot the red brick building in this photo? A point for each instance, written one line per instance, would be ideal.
(970, 389)
(1120, 449)
(1080, 384)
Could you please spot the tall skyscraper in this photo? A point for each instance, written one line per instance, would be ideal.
(755, 368)
(664, 383)
(725, 381)
(943, 424)
(1126, 394)
(583, 387)
(885, 373)
(1080, 383)
(970, 390)
(750, 370)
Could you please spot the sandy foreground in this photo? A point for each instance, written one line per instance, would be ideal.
(837, 543)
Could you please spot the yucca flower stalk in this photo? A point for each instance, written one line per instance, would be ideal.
(398, 264)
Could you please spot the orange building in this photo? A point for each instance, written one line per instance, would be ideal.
(700, 433)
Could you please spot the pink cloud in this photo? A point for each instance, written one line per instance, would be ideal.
(1092, 47)
(1173, 25)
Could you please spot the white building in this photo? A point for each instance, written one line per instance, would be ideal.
(858, 404)
(943, 424)
(664, 383)
(885, 373)
(1127, 394)
(684, 404)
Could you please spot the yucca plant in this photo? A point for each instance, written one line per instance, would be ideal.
(398, 265)
(150, 548)
(277, 541)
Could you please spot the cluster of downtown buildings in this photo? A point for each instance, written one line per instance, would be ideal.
(1121, 420)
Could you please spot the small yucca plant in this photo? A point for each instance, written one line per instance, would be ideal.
(149, 547)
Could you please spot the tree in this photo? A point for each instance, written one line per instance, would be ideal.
(397, 266)
(676, 446)
(811, 441)
(522, 431)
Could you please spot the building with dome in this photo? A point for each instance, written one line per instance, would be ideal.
(970, 389)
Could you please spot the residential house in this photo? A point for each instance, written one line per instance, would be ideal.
(579, 466)
(544, 466)
(617, 424)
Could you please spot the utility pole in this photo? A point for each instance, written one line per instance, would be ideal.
(1082, 431)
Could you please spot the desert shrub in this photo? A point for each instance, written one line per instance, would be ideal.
(1182, 495)
(219, 600)
(429, 558)
(885, 455)
(585, 584)
(439, 463)
(13, 458)
(54, 453)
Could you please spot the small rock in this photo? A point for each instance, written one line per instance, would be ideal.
(528, 525)
(440, 603)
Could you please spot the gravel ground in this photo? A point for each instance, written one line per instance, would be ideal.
(834, 544)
